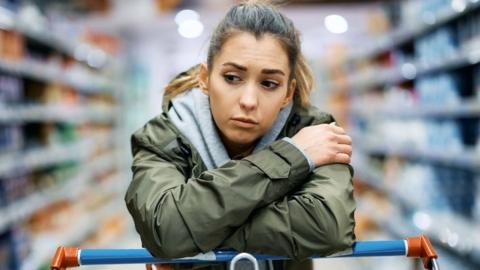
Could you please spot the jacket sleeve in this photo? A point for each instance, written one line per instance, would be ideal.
(318, 219)
(178, 217)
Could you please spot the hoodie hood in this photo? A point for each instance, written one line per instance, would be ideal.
(190, 113)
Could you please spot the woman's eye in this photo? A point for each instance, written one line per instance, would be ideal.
(270, 84)
(231, 78)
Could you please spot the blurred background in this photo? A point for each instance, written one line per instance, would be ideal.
(78, 77)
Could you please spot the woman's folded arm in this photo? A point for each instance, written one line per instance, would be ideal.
(317, 219)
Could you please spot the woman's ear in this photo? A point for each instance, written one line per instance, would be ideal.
(203, 78)
(290, 91)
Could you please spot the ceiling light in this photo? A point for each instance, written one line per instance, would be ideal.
(190, 29)
(186, 15)
(336, 24)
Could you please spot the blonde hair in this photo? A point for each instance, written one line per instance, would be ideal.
(258, 18)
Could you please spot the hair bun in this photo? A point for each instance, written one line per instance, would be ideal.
(266, 2)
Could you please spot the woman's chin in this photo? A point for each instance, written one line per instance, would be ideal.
(242, 138)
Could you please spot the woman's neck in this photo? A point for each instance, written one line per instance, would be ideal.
(235, 150)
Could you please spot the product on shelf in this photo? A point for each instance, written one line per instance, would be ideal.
(478, 138)
(14, 187)
(469, 32)
(54, 175)
(113, 227)
(11, 90)
(436, 46)
(414, 12)
(11, 45)
(5, 252)
(423, 135)
(50, 93)
(14, 248)
(18, 185)
(58, 216)
(423, 191)
(11, 138)
(45, 134)
(476, 82)
(441, 89)
(476, 208)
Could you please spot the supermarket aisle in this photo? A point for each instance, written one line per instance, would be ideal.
(76, 79)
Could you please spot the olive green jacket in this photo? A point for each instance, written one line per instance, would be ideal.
(268, 202)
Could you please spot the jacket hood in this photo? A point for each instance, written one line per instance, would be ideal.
(190, 113)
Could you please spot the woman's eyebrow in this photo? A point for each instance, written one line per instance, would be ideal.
(264, 71)
(273, 71)
(237, 66)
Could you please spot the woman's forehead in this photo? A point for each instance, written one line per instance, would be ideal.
(247, 50)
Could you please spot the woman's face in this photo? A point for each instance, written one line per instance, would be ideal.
(247, 86)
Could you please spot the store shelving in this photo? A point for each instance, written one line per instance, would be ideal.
(81, 81)
(380, 76)
(33, 159)
(69, 189)
(41, 157)
(41, 34)
(58, 113)
(397, 227)
(414, 117)
(408, 32)
(86, 225)
(463, 109)
(59, 137)
(451, 231)
(467, 158)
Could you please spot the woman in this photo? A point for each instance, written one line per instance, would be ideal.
(238, 158)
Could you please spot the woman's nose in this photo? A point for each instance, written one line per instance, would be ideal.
(249, 98)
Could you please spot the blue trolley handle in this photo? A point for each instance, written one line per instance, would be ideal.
(416, 247)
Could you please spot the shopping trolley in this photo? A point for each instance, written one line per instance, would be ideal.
(416, 247)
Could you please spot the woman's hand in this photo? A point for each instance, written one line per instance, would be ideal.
(159, 267)
(324, 144)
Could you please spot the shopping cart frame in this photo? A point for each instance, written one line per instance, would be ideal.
(414, 247)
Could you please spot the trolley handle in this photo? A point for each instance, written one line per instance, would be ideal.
(416, 247)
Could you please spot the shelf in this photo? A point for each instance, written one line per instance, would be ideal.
(463, 57)
(44, 247)
(61, 113)
(404, 34)
(54, 73)
(79, 51)
(449, 230)
(467, 158)
(41, 157)
(466, 108)
(69, 189)
(378, 76)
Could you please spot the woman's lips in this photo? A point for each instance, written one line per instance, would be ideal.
(244, 122)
